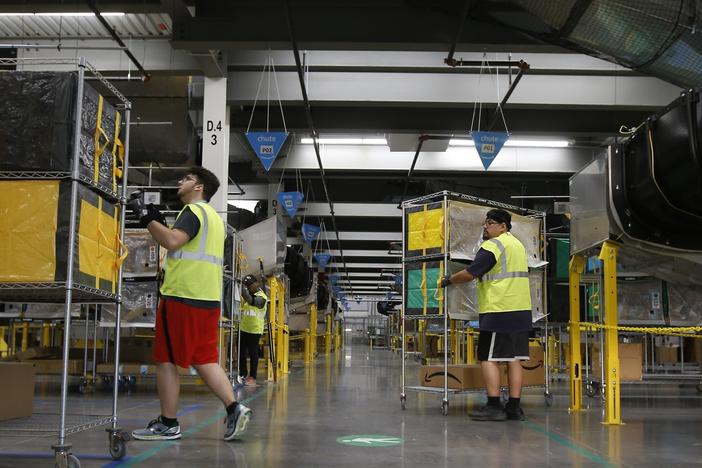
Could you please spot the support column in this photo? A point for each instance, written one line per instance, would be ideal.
(612, 415)
(577, 264)
(280, 350)
(215, 138)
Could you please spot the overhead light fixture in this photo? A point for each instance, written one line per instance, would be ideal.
(346, 141)
(244, 204)
(519, 143)
(109, 13)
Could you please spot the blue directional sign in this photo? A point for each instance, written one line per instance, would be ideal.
(266, 145)
(488, 144)
(310, 232)
(290, 201)
(322, 259)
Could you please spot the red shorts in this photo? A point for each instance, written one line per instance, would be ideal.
(185, 334)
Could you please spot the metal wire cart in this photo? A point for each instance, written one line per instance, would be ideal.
(441, 234)
(63, 173)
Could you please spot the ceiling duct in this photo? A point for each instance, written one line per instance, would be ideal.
(661, 39)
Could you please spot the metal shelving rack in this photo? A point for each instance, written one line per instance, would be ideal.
(72, 291)
(444, 256)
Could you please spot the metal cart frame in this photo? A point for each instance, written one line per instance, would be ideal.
(75, 292)
(444, 197)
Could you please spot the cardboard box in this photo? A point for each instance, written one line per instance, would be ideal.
(470, 377)
(667, 354)
(55, 366)
(135, 349)
(630, 361)
(18, 398)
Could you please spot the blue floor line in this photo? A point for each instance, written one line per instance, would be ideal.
(131, 461)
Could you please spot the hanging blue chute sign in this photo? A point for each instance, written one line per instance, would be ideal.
(322, 259)
(310, 232)
(266, 145)
(488, 144)
(290, 201)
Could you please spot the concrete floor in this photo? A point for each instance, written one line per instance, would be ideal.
(298, 422)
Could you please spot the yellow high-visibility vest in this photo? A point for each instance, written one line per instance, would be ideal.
(195, 270)
(253, 318)
(505, 288)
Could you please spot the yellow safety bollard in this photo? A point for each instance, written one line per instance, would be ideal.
(470, 348)
(313, 329)
(45, 335)
(577, 265)
(24, 344)
(286, 349)
(327, 336)
(308, 346)
(608, 254)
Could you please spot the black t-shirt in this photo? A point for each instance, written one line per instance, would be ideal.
(519, 320)
(190, 224)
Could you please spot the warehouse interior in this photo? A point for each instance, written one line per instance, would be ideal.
(375, 186)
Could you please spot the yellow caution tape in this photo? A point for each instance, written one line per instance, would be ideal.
(688, 332)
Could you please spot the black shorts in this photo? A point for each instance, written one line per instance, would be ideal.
(509, 346)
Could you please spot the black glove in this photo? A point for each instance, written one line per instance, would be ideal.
(145, 213)
(445, 281)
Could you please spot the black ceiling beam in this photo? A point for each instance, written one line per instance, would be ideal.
(92, 4)
(310, 123)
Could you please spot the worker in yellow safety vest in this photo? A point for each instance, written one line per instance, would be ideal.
(253, 317)
(187, 320)
(504, 304)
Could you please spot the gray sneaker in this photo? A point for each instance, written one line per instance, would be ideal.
(237, 422)
(156, 430)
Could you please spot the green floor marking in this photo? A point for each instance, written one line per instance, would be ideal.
(580, 450)
(369, 440)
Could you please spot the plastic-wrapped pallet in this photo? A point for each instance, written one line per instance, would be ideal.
(36, 128)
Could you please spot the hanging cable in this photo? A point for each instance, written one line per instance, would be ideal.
(313, 130)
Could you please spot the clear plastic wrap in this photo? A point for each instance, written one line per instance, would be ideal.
(684, 305)
(143, 253)
(466, 230)
(640, 300)
(139, 302)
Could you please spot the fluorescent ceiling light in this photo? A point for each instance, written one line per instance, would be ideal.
(245, 204)
(63, 14)
(346, 141)
(519, 143)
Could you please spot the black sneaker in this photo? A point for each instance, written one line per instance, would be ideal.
(515, 415)
(237, 422)
(488, 413)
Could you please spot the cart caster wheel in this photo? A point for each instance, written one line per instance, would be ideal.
(118, 447)
(548, 399)
(71, 461)
(403, 402)
(590, 390)
(444, 408)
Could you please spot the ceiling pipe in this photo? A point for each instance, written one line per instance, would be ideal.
(145, 76)
(313, 130)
